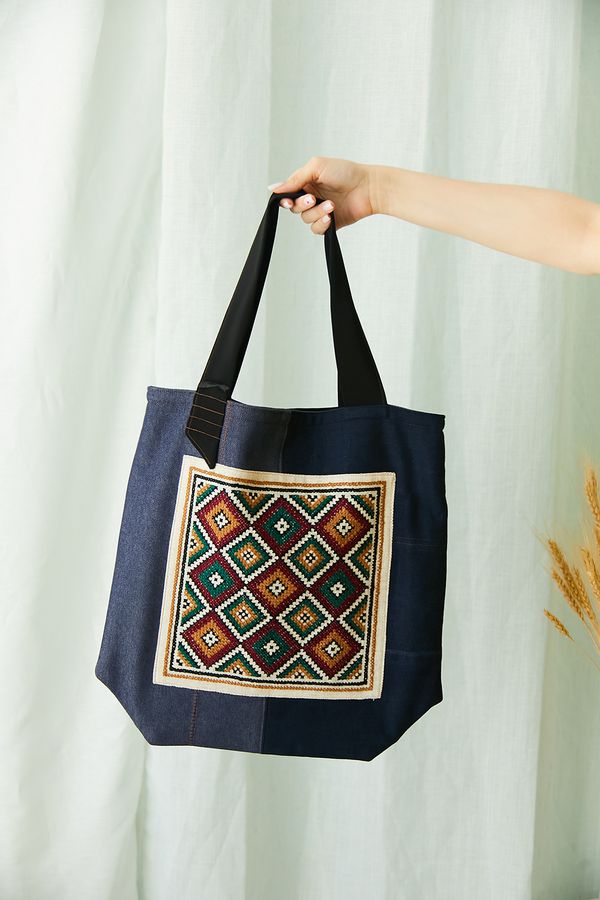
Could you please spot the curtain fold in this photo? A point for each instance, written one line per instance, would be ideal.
(137, 143)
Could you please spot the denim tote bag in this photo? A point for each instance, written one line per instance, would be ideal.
(280, 572)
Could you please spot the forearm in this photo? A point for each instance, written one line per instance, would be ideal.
(539, 224)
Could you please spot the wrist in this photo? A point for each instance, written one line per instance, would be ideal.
(381, 188)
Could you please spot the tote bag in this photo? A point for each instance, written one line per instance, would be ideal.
(280, 572)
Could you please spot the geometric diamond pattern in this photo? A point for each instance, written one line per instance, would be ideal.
(305, 618)
(276, 583)
(310, 557)
(281, 524)
(215, 578)
(208, 638)
(271, 647)
(338, 587)
(248, 555)
(344, 525)
(277, 587)
(333, 648)
(243, 614)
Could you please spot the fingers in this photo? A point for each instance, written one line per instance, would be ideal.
(317, 215)
(306, 178)
(300, 204)
(321, 225)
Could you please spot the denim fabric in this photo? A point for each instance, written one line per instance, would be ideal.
(319, 440)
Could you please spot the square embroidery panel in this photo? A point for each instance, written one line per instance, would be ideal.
(277, 584)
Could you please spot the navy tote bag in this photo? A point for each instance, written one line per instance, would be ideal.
(280, 572)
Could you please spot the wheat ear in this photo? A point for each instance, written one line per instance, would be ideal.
(563, 630)
(565, 579)
(591, 492)
(558, 624)
(573, 590)
(592, 572)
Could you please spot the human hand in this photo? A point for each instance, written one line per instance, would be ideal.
(346, 185)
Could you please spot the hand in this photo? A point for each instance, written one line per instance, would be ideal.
(347, 185)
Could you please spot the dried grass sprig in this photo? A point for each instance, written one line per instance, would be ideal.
(567, 585)
(591, 492)
(558, 624)
(585, 602)
(569, 578)
(564, 630)
(592, 572)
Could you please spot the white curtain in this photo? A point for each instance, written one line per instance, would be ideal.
(137, 139)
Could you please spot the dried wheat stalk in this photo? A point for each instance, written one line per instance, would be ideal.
(591, 492)
(558, 624)
(592, 572)
(570, 581)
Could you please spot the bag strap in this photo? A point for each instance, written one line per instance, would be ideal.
(358, 378)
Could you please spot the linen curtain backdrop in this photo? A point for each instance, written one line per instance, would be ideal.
(137, 141)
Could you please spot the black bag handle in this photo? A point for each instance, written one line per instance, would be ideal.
(358, 378)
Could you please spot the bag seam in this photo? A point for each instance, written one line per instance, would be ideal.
(279, 468)
(193, 719)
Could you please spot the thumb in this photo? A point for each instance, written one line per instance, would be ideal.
(306, 174)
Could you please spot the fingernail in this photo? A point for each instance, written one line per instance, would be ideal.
(309, 199)
(286, 203)
(272, 187)
(325, 218)
(328, 205)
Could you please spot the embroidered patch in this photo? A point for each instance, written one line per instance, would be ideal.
(277, 584)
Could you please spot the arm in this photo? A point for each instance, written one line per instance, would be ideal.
(539, 224)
